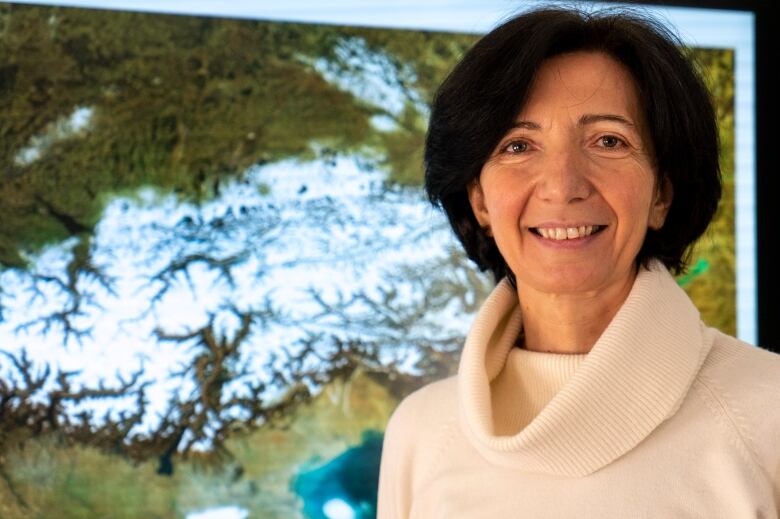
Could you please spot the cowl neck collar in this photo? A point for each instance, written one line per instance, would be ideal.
(635, 377)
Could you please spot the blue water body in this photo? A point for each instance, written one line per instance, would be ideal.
(346, 486)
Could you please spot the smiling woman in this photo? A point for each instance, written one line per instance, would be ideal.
(576, 157)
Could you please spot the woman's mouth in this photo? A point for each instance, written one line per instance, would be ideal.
(567, 233)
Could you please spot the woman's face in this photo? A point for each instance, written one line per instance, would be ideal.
(570, 191)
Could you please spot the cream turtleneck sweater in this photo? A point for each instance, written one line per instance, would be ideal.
(529, 380)
(663, 418)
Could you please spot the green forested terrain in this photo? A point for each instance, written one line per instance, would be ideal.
(179, 103)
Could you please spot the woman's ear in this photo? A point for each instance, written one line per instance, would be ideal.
(660, 208)
(478, 207)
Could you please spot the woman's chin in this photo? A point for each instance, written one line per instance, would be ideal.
(574, 279)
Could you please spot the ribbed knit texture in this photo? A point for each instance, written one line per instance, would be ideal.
(664, 417)
(633, 389)
(529, 380)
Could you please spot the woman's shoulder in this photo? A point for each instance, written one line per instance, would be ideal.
(742, 366)
(420, 428)
(745, 380)
(433, 403)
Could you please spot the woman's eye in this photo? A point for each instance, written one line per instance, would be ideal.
(610, 141)
(516, 147)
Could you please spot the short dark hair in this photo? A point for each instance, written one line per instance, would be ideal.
(477, 103)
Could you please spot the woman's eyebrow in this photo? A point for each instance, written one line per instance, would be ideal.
(593, 118)
(528, 125)
(583, 121)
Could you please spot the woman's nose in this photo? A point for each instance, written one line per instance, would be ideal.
(564, 179)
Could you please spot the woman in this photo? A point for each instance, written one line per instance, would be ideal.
(576, 156)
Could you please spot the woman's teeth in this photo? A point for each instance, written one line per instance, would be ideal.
(567, 233)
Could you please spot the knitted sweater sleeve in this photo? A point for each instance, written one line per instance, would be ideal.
(747, 384)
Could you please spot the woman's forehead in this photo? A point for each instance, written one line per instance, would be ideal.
(583, 81)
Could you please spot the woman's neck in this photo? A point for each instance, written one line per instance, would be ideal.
(568, 323)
